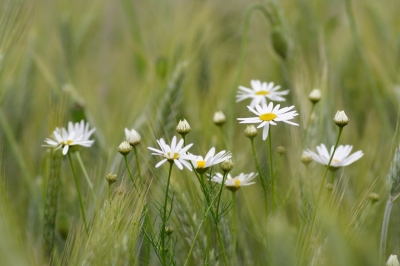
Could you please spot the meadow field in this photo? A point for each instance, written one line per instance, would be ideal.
(77, 76)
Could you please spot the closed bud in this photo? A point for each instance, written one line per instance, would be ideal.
(250, 131)
(169, 230)
(183, 127)
(132, 137)
(315, 96)
(124, 148)
(306, 158)
(341, 119)
(373, 197)
(227, 165)
(280, 42)
(219, 118)
(281, 150)
(393, 261)
(111, 178)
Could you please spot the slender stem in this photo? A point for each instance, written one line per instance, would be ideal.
(319, 195)
(78, 156)
(138, 164)
(222, 246)
(130, 174)
(329, 164)
(271, 170)
(263, 182)
(385, 226)
(79, 193)
(216, 218)
(234, 227)
(109, 193)
(223, 137)
(308, 124)
(220, 192)
(333, 177)
(164, 219)
(198, 230)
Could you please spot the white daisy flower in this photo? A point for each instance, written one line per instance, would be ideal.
(203, 164)
(268, 114)
(78, 134)
(174, 153)
(341, 157)
(259, 93)
(234, 183)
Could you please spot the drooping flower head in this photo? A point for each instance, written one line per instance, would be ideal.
(174, 153)
(78, 134)
(341, 157)
(234, 183)
(268, 114)
(259, 93)
(203, 164)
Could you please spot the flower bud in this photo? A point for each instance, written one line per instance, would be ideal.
(306, 158)
(132, 137)
(124, 148)
(250, 131)
(280, 42)
(393, 261)
(281, 150)
(111, 178)
(183, 127)
(341, 119)
(219, 118)
(169, 230)
(315, 96)
(373, 197)
(227, 165)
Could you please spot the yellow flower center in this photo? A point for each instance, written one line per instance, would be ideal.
(262, 92)
(268, 116)
(335, 160)
(68, 142)
(173, 156)
(237, 182)
(201, 164)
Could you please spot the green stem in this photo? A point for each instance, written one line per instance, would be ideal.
(263, 182)
(79, 193)
(234, 229)
(130, 174)
(221, 243)
(216, 218)
(164, 218)
(242, 57)
(220, 193)
(385, 226)
(109, 193)
(78, 156)
(308, 125)
(319, 194)
(198, 230)
(271, 170)
(138, 164)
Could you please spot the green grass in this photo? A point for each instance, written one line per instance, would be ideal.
(147, 64)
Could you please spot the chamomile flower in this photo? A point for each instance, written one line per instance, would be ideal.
(259, 93)
(174, 153)
(269, 115)
(132, 136)
(78, 134)
(234, 183)
(203, 164)
(341, 157)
